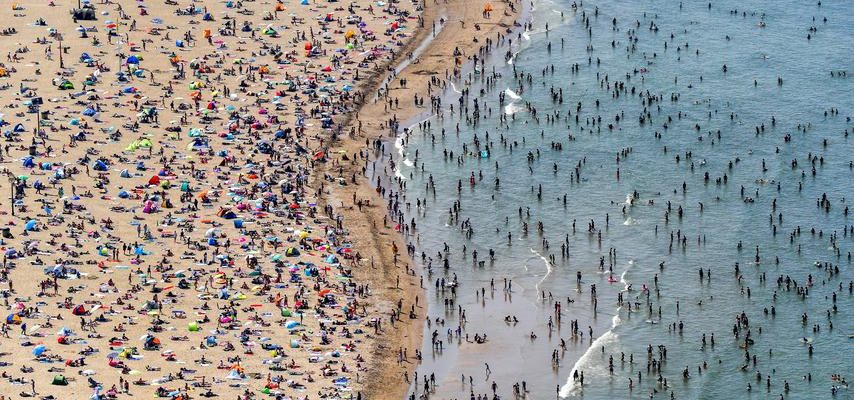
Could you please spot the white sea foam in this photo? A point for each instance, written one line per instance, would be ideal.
(454, 88)
(585, 363)
(548, 270)
(511, 109)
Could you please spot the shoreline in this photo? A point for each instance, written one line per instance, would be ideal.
(466, 76)
(385, 379)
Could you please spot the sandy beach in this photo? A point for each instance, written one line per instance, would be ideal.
(166, 231)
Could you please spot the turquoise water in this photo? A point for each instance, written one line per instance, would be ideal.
(712, 118)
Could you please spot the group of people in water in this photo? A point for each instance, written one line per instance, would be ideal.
(477, 98)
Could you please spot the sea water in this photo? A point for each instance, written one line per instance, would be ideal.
(711, 119)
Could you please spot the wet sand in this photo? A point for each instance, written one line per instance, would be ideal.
(370, 234)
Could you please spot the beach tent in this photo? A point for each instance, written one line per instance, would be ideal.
(227, 214)
(99, 165)
(84, 14)
(19, 128)
(28, 162)
(150, 207)
(292, 252)
(269, 31)
(39, 350)
(59, 380)
(13, 319)
(79, 310)
(133, 60)
(66, 85)
(151, 343)
(138, 144)
(264, 147)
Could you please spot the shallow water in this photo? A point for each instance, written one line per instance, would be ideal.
(726, 102)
